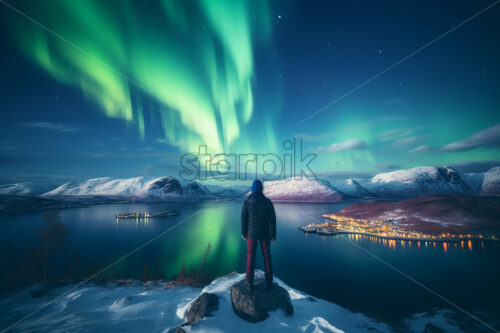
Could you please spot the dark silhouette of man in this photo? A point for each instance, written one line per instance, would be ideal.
(258, 225)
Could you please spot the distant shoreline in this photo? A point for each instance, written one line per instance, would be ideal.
(307, 230)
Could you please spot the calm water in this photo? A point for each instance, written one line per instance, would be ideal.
(330, 268)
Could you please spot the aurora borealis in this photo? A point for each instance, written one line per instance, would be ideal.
(122, 88)
(204, 85)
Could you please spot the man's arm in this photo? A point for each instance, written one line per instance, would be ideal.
(244, 220)
(272, 220)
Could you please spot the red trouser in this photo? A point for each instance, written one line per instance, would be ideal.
(266, 252)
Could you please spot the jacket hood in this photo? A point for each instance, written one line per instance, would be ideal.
(257, 186)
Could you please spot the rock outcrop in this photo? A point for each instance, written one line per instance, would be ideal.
(254, 306)
(202, 307)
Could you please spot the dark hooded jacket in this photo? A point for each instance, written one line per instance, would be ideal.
(258, 219)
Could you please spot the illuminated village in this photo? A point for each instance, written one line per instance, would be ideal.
(147, 215)
(382, 229)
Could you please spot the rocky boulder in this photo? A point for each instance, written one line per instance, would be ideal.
(202, 307)
(254, 306)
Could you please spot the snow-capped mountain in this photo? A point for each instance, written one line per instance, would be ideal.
(303, 190)
(402, 183)
(419, 181)
(170, 186)
(491, 182)
(142, 188)
(353, 188)
(24, 189)
(103, 186)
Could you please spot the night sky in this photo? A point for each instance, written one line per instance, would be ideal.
(128, 86)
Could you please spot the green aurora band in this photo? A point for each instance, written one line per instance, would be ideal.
(194, 57)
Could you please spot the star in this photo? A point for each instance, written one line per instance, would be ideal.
(279, 16)
(379, 51)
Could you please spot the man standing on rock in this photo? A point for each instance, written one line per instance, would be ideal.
(258, 225)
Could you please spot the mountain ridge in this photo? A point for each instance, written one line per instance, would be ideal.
(419, 181)
(404, 183)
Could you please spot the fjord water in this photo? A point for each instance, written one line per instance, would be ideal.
(331, 268)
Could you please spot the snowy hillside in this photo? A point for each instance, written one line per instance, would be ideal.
(419, 181)
(170, 188)
(491, 182)
(100, 186)
(155, 308)
(402, 183)
(304, 190)
(26, 189)
(141, 187)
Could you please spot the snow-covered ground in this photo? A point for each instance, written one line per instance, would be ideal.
(154, 308)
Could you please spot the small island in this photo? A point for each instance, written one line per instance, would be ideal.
(147, 215)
